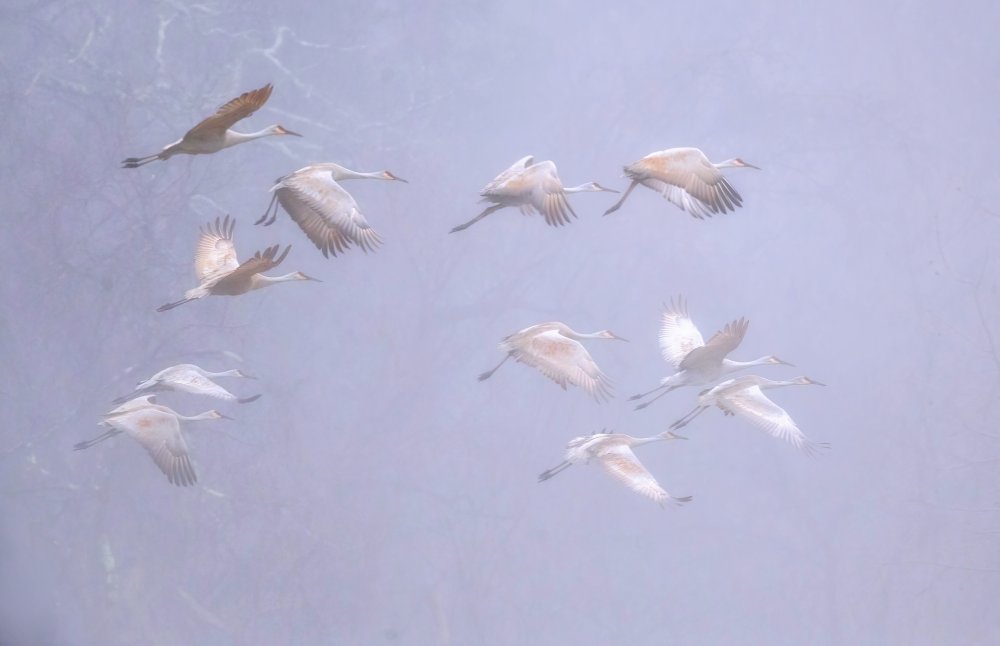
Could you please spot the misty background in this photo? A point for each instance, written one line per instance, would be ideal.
(378, 493)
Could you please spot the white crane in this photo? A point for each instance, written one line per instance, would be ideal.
(614, 453)
(531, 187)
(698, 363)
(213, 133)
(743, 396)
(189, 378)
(323, 209)
(221, 274)
(555, 350)
(686, 177)
(158, 429)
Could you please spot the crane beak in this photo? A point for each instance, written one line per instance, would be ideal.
(389, 175)
(814, 382)
(285, 131)
(224, 416)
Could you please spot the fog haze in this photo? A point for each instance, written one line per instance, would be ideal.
(377, 492)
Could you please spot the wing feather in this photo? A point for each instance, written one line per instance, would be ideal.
(621, 463)
(564, 361)
(500, 182)
(687, 179)
(753, 405)
(326, 212)
(234, 281)
(215, 254)
(229, 113)
(678, 333)
(159, 433)
(721, 344)
(194, 383)
(547, 195)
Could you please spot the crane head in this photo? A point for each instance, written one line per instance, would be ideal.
(281, 130)
(739, 163)
(387, 175)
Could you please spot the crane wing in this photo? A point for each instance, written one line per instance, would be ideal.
(262, 261)
(564, 361)
(325, 212)
(721, 344)
(160, 434)
(215, 254)
(132, 404)
(498, 182)
(228, 114)
(754, 406)
(547, 195)
(678, 333)
(620, 462)
(689, 180)
(196, 384)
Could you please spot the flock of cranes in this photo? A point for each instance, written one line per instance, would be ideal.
(316, 201)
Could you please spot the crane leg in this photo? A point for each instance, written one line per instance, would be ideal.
(489, 373)
(645, 404)
(170, 306)
(86, 444)
(687, 418)
(261, 219)
(139, 392)
(495, 207)
(556, 470)
(136, 162)
(619, 203)
(641, 395)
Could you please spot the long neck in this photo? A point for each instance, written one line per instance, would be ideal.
(589, 186)
(224, 373)
(729, 163)
(200, 417)
(260, 280)
(581, 335)
(728, 365)
(340, 173)
(771, 383)
(233, 137)
(639, 441)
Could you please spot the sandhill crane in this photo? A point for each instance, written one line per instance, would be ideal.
(698, 363)
(614, 453)
(323, 209)
(221, 274)
(213, 133)
(687, 178)
(189, 378)
(157, 428)
(743, 396)
(531, 187)
(555, 349)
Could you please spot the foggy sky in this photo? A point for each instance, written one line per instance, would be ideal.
(377, 492)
